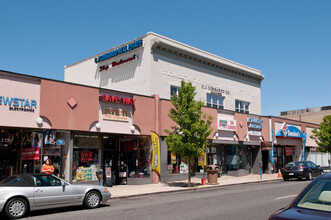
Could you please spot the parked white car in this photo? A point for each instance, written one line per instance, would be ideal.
(28, 192)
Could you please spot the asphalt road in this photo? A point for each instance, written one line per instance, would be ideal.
(247, 201)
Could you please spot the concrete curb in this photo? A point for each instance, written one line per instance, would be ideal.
(197, 188)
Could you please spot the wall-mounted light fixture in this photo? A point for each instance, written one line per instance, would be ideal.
(98, 125)
(132, 129)
(39, 121)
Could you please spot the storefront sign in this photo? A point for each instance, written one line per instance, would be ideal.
(254, 133)
(18, 104)
(60, 142)
(288, 151)
(257, 126)
(115, 114)
(117, 63)
(129, 146)
(30, 154)
(119, 51)
(86, 156)
(116, 99)
(216, 90)
(227, 125)
(289, 131)
(255, 120)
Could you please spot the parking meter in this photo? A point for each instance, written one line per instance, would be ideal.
(99, 175)
(261, 166)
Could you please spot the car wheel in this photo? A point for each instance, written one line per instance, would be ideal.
(16, 208)
(92, 200)
(285, 178)
(310, 176)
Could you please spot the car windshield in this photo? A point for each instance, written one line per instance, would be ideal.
(317, 196)
(10, 180)
(298, 163)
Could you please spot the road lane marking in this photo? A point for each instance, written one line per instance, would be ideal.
(285, 197)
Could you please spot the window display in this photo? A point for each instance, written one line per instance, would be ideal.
(86, 158)
(136, 156)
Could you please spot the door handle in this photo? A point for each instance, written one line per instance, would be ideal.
(38, 190)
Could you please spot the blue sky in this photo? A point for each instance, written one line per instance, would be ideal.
(288, 41)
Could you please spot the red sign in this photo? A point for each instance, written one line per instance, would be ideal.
(130, 146)
(116, 99)
(86, 156)
(30, 154)
(288, 151)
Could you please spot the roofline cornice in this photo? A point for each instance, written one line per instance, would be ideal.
(210, 60)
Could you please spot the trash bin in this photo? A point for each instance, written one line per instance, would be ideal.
(212, 173)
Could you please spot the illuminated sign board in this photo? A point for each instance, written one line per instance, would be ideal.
(18, 104)
(117, 99)
(119, 51)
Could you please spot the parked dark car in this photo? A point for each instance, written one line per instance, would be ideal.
(314, 202)
(301, 169)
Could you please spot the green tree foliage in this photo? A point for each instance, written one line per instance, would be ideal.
(189, 137)
(322, 135)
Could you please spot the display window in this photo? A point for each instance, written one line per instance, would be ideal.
(236, 158)
(135, 158)
(86, 158)
(10, 143)
(52, 150)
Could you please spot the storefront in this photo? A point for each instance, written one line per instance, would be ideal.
(20, 135)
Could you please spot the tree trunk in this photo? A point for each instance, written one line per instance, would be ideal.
(189, 172)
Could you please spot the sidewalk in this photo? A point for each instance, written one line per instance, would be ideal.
(122, 191)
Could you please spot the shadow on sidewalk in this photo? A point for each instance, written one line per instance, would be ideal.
(183, 184)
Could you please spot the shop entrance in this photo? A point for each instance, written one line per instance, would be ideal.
(110, 157)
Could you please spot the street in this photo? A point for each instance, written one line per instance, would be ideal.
(245, 201)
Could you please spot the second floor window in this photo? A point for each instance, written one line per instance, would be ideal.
(173, 90)
(215, 101)
(242, 106)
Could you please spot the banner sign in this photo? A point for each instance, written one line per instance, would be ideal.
(156, 157)
(227, 125)
(289, 131)
(30, 154)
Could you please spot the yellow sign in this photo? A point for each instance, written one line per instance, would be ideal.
(115, 114)
(156, 157)
(201, 160)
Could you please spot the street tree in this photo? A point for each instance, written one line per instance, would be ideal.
(322, 135)
(189, 137)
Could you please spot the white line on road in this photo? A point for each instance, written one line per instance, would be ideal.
(285, 197)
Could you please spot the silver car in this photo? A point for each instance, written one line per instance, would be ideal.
(28, 192)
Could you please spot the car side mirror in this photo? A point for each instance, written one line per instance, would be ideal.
(64, 183)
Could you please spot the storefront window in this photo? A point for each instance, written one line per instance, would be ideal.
(172, 163)
(10, 143)
(236, 157)
(135, 157)
(86, 158)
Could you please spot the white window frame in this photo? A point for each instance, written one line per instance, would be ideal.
(242, 106)
(215, 101)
